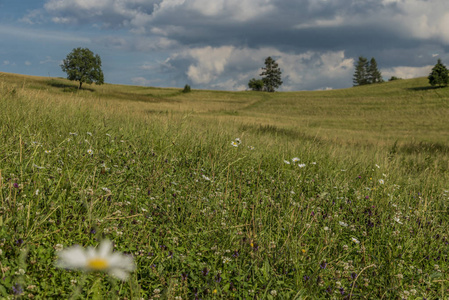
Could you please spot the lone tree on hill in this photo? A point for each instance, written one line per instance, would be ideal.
(271, 75)
(82, 65)
(366, 72)
(439, 75)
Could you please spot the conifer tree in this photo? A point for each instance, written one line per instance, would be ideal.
(271, 75)
(439, 75)
(361, 72)
(374, 75)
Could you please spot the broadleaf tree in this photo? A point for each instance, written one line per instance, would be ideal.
(271, 75)
(256, 84)
(439, 75)
(84, 66)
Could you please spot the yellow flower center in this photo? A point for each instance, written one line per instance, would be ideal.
(97, 264)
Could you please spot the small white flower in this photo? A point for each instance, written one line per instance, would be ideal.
(295, 159)
(89, 133)
(251, 148)
(301, 165)
(398, 220)
(100, 259)
(206, 178)
(355, 240)
(381, 181)
(36, 192)
(59, 247)
(286, 161)
(343, 224)
(73, 133)
(106, 190)
(89, 151)
(233, 143)
(377, 166)
(47, 151)
(238, 141)
(273, 293)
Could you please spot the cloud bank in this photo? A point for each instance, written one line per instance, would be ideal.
(223, 43)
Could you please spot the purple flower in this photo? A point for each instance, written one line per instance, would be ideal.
(16, 185)
(17, 289)
(323, 265)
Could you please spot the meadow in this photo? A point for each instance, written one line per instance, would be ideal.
(339, 194)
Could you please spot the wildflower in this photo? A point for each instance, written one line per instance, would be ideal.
(101, 259)
(301, 165)
(238, 141)
(343, 224)
(214, 291)
(89, 133)
(233, 143)
(286, 161)
(73, 133)
(355, 240)
(90, 152)
(47, 151)
(398, 220)
(206, 178)
(59, 247)
(226, 260)
(273, 293)
(381, 181)
(251, 148)
(303, 250)
(295, 159)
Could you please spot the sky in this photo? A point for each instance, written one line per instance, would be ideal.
(222, 44)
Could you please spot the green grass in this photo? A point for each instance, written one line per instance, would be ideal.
(365, 218)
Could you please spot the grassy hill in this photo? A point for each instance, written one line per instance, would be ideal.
(363, 214)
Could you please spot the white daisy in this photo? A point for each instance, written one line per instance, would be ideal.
(233, 143)
(89, 151)
(295, 159)
(100, 259)
(301, 165)
(381, 181)
(286, 161)
(355, 240)
(238, 141)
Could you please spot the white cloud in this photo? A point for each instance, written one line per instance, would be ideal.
(231, 68)
(27, 63)
(407, 72)
(6, 62)
(141, 81)
(210, 63)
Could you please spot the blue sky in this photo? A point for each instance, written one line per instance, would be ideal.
(222, 44)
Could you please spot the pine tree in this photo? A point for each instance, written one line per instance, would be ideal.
(361, 72)
(374, 75)
(271, 75)
(439, 75)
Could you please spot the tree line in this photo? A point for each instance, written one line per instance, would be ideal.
(84, 66)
